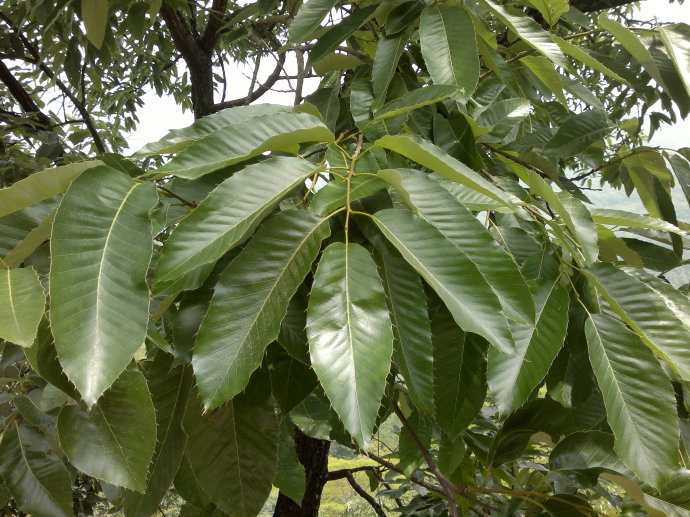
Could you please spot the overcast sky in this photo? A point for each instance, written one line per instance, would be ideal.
(159, 115)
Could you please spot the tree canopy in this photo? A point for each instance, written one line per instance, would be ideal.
(413, 241)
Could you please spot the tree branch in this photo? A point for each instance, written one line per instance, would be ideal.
(215, 22)
(588, 6)
(81, 108)
(364, 495)
(342, 473)
(23, 98)
(263, 88)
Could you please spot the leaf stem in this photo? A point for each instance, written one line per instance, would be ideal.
(348, 179)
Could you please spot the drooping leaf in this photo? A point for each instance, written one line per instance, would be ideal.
(512, 378)
(40, 186)
(308, 18)
(42, 357)
(101, 247)
(388, 52)
(33, 240)
(632, 220)
(459, 374)
(586, 450)
(115, 439)
(547, 74)
(427, 154)
(449, 47)
(291, 380)
(170, 389)
(330, 40)
(250, 300)
(350, 336)
(415, 99)
(577, 133)
(413, 348)
(632, 44)
(676, 38)
(503, 116)
(229, 214)
(646, 313)
(638, 397)
(22, 302)
(438, 206)
(290, 476)
(529, 31)
(450, 273)
(584, 57)
(94, 13)
(179, 139)
(34, 475)
(281, 131)
(550, 10)
(233, 452)
(408, 450)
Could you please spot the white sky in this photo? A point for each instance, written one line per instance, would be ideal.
(161, 114)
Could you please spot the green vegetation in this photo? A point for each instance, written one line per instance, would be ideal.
(404, 262)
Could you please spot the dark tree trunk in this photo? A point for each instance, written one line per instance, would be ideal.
(313, 454)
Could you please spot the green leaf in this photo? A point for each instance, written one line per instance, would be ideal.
(681, 168)
(233, 451)
(415, 99)
(576, 134)
(388, 52)
(329, 41)
(676, 38)
(34, 475)
(290, 476)
(43, 359)
(639, 399)
(40, 186)
(427, 154)
(584, 57)
(574, 214)
(308, 19)
(677, 302)
(94, 13)
(170, 389)
(408, 450)
(281, 131)
(402, 15)
(550, 10)
(450, 273)
(33, 240)
(512, 378)
(646, 313)
(632, 44)
(250, 300)
(547, 74)
(334, 195)
(438, 207)
(586, 450)
(459, 374)
(503, 116)
(412, 348)
(30, 412)
(529, 31)
(449, 47)
(101, 248)
(229, 214)
(114, 440)
(179, 139)
(22, 302)
(350, 336)
(632, 220)
(291, 380)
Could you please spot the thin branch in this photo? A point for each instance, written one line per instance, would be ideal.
(215, 22)
(22, 97)
(300, 76)
(364, 495)
(170, 193)
(611, 162)
(395, 468)
(255, 74)
(263, 88)
(81, 108)
(516, 160)
(443, 481)
(342, 473)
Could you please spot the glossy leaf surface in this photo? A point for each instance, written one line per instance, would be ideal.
(22, 302)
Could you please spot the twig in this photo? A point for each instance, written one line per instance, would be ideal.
(170, 193)
(516, 160)
(443, 481)
(342, 473)
(364, 495)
